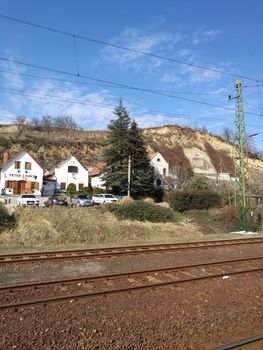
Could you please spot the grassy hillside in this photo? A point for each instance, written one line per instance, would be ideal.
(180, 146)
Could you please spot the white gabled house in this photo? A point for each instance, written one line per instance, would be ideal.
(69, 174)
(96, 176)
(20, 175)
(161, 167)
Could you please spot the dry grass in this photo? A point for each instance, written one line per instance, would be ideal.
(55, 226)
(59, 226)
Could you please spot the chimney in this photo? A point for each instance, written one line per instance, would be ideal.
(5, 157)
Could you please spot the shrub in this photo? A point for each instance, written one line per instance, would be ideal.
(141, 211)
(188, 200)
(125, 200)
(197, 183)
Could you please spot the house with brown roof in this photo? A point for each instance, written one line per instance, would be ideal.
(96, 176)
(160, 164)
(21, 174)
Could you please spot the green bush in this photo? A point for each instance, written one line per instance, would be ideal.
(141, 211)
(188, 200)
(198, 183)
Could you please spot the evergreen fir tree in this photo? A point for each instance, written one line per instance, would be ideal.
(142, 173)
(117, 151)
(125, 139)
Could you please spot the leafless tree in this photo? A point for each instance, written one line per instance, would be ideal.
(47, 123)
(228, 135)
(21, 122)
(67, 125)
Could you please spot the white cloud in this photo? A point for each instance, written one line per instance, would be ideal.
(203, 36)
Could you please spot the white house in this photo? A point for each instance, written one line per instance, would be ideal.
(21, 174)
(161, 167)
(69, 174)
(96, 177)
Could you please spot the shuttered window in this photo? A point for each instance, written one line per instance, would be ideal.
(28, 166)
(81, 186)
(17, 164)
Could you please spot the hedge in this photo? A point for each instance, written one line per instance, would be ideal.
(141, 211)
(188, 200)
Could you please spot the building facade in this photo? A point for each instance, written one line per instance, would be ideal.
(96, 179)
(20, 175)
(161, 168)
(69, 174)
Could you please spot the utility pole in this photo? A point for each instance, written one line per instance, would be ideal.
(241, 157)
(129, 177)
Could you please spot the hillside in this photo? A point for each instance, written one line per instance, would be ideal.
(195, 149)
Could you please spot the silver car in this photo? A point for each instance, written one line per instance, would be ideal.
(81, 200)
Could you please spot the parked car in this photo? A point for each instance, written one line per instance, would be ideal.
(27, 199)
(81, 200)
(59, 199)
(104, 198)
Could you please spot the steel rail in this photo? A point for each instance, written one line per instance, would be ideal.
(78, 296)
(251, 343)
(127, 250)
(123, 274)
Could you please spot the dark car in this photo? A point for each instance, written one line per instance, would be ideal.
(59, 199)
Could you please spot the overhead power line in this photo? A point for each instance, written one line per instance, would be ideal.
(109, 85)
(107, 43)
(101, 105)
(135, 88)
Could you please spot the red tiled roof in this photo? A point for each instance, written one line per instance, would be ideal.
(151, 155)
(97, 170)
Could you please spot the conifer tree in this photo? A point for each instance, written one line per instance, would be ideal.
(117, 151)
(142, 173)
(125, 139)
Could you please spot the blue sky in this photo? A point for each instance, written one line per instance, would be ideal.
(223, 35)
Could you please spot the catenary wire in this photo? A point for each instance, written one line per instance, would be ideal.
(77, 101)
(108, 85)
(135, 88)
(107, 43)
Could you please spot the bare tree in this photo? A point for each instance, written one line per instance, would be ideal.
(228, 135)
(36, 122)
(47, 123)
(21, 122)
(67, 124)
(177, 178)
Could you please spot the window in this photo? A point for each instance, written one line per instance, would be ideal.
(17, 164)
(81, 186)
(62, 185)
(28, 166)
(158, 182)
(164, 172)
(158, 159)
(72, 169)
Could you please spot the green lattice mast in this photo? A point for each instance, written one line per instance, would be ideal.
(241, 158)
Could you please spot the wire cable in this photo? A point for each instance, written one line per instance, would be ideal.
(135, 88)
(107, 106)
(107, 43)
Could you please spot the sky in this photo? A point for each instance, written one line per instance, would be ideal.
(76, 75)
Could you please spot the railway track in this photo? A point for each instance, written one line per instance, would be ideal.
(53, 291)
(117, 251)
(250, 343)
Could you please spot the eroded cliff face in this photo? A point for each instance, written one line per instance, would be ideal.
(183, 146)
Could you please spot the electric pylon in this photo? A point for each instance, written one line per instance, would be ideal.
(241, 158)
